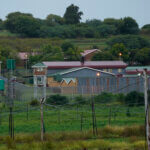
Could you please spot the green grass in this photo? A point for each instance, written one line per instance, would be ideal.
(68, 118)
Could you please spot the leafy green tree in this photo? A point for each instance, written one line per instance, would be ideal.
(119, 51)
(73, 54)
(1, 24)
(143, 56)
(105, 30)
(7, 53)
(93, 22)
(11, 20)
(66, 46)
(130, 41)
(34, 59)
(105, 55)
(114, 22)
(129, 26)
(53, 20)
(147, 26)
(27, 26)
(146, 29)
(50, 53)
(132, 54)
(72, 14)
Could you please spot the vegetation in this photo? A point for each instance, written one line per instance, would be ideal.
(132, 140)
(34, 102)
(57, 100)
(112, 36)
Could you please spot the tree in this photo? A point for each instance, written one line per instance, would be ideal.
(7, 53)
(106, 55)
(11, 20)
(130, 41)
(73, 54)
(1, 24)
(93, 22)
(146, 29)
(146, 26)
(72, 14)
(70, 51)
(115, 22)
(129, 26)
(53, 20)
(143, 56)
(66, 45)
(119, 51)
(50, 53)
(105, 30)
(27, 26)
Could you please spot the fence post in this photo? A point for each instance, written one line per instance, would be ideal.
(27, 112)
(58, 116)
(109, 117)
(42, 122)
(81, 121)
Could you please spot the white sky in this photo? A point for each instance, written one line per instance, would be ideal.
(99, 9)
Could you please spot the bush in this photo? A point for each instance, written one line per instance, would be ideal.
(34, 102)
(105, 97)
(57, 100)
(134, 99)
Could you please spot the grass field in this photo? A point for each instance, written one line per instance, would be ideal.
(68, 118)
(69, 127)
(108, 138)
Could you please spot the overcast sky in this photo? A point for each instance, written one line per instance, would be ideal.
(99, 9)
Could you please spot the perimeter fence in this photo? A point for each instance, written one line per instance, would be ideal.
(84, 109)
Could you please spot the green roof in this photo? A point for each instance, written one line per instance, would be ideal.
(39, 65)
(137, 67)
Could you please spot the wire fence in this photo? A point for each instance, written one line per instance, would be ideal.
(71, 116)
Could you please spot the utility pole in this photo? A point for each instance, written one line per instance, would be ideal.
(42, 100)
(146, 107)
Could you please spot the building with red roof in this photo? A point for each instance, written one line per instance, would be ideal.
(88, 54)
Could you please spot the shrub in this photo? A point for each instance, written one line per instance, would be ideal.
(134, 99)
(105, 97)
(57, 100)
(34, 102)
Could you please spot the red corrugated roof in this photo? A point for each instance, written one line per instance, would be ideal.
(92, 64)
(25, 55)
(86, 52)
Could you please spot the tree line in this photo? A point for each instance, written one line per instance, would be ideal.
(69, 26)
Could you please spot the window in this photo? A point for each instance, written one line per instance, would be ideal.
(119, 70)
(110, 70)
(39, 80)
(105, 70)
(39, 69)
